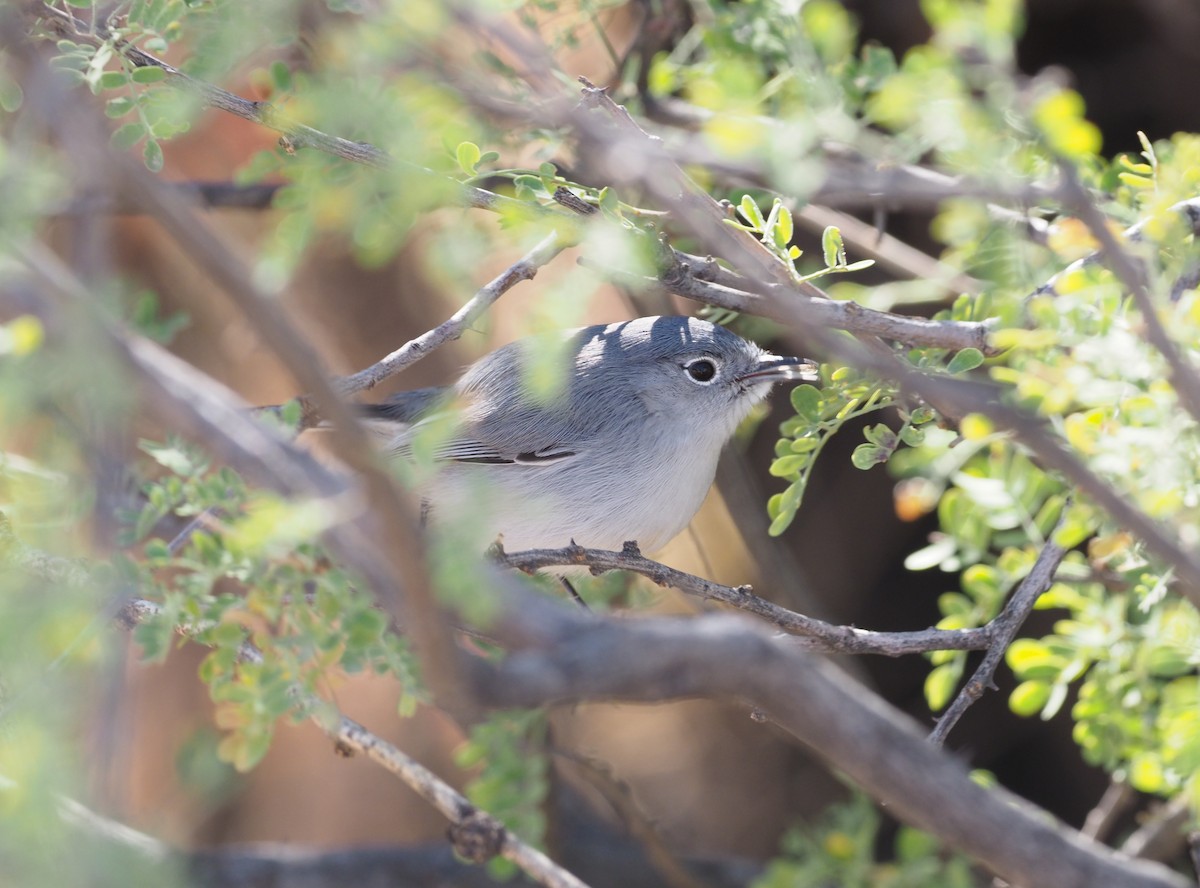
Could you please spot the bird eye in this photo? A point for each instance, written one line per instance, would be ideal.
(701, 370)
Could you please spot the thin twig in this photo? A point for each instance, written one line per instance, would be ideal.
(1004, 630)
(811, 634)
(293, 134)
(475, 834)
(785, 302)
(1184, 376)
(1103, 817)
(890, 252)
(619, 794)
(1160, 836)
(458, 323)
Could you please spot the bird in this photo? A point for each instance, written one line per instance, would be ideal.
(624, 450)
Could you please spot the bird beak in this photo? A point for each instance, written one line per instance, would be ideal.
(773, 368)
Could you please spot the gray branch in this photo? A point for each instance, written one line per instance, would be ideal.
(567, 657)
(458, 323)
(1003, 629)
(810, 633)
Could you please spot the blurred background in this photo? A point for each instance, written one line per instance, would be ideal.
(713, 780)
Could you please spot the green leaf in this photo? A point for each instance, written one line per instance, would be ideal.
(1146, 773)
(119, 106)
(81, 4)
(881, 435)
(833, 248)
(281, 76)
(749, 211)
(153, 156)
(1031, 659)
(528, 187)
(128, 135)
(1029, 697)
(784, 227)
(806, 401)
(468, 155)
(787, 466)
(867, 455)
(940, 684)
(11, 94)
(148, 74)
(966, 359)
(112, 80)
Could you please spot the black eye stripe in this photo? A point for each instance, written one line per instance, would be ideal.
(701, 370)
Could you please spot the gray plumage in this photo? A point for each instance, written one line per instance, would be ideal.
(627, 450)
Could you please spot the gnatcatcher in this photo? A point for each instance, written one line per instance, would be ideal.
(626, 450)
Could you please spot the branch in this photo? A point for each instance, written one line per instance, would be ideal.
(1161, 836)
(412, 351)
(813, 634)
(1184, 376)
(842, 315)
(293, 134)
(1103, 817)
(566, 657)
(1189, 209)
(619, 137)
(1003, 630)
(688, 278)
(475, 834)
(429, 865)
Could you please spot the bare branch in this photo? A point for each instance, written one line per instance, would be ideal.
(1161, 835)
(1003, 630)
(568, 657)
(812, 634)
(458, 323)
(1117, 798)
(890, 252)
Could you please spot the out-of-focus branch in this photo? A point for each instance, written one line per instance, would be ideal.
(475, 834)
(1184, 377)
(1117, 798)
(843, 315)
(687, 278)
(810, 634)
(1003, 630)
(458, 323)
(615, 137)
(1161, 836)
(431, 865)
(889, 252)
(564, 657)
(1189, 209)
(292, 133)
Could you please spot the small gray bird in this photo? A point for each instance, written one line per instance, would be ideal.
(626, 450)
